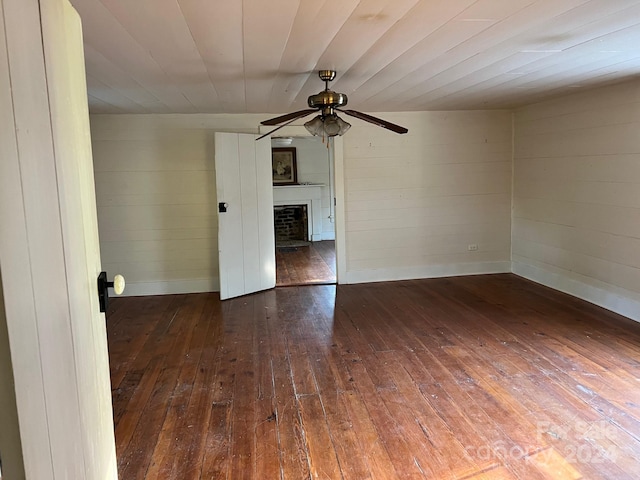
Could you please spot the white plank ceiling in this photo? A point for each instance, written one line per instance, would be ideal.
(257, 56)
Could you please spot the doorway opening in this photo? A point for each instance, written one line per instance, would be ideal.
(304, 217)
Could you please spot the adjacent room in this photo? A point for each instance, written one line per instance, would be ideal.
(361, 239)
(304, 219)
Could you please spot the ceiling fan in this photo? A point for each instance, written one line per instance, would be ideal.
(328, 123)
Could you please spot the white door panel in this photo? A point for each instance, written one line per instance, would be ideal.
(246, 242)
(64, 59)
(250, 215)
(264, 188)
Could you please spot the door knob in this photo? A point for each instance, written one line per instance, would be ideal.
(118, 285)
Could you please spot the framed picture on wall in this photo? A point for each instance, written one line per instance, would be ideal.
(283, 165)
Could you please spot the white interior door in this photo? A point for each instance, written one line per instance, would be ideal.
(244, 189)
(64, 60)
(49, 246)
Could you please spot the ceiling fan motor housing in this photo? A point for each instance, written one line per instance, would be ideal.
(327, 100)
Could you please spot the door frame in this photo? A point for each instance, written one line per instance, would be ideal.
(336, 156)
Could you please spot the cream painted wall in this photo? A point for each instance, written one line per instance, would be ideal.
(415, 202)
(155, 190)
(576, 220)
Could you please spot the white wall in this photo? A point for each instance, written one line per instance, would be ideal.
(313, 167)
(415, 202)
(576, 221)
(155, 189)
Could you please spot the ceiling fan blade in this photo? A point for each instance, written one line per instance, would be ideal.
(277, 128)
(375, 120)
(288, 117)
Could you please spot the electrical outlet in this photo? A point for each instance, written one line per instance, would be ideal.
(472, 247)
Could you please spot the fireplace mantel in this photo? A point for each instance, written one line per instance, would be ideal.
(309, 195)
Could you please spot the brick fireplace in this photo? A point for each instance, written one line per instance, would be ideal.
(291, 223)
(308, 196)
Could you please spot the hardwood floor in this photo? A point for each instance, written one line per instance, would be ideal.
(310, 265)
(485, 377)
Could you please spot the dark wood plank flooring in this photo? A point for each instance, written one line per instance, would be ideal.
(485, 377)
(311, 265)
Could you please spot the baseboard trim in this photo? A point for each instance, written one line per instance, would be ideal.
(430, 271)
(606, 296)
(609, 297)
(171, 287)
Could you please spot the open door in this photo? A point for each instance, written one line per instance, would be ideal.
(244, 189)
(49, 247)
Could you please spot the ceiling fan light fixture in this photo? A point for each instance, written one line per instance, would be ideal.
(334, 125)
(330, 126)
(344, 126)
(315, 126)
